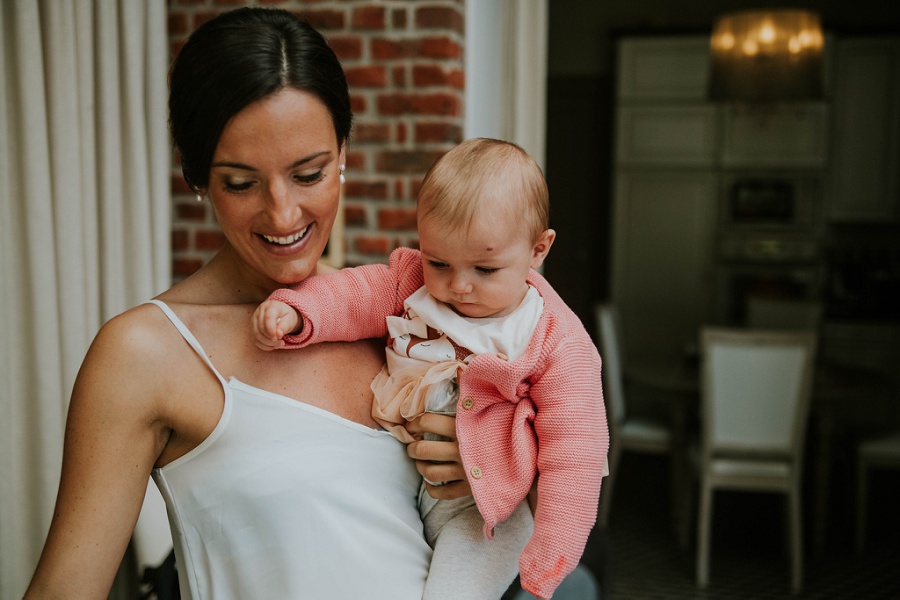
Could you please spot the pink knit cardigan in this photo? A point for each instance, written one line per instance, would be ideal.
(542, 414)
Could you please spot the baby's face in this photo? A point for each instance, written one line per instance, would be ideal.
(479, 272)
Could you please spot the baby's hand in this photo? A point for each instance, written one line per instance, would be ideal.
(272, 320)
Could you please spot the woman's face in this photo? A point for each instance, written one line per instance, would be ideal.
(274, 185)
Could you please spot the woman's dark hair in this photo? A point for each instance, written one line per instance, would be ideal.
(237, 58)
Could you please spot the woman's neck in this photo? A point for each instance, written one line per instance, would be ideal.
(223, 280)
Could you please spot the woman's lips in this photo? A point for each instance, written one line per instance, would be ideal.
(285, 240)
(289, 244)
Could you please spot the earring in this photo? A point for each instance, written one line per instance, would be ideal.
(343, 179)
(199, 197)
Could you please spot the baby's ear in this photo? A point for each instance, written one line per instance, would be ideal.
(542, 247)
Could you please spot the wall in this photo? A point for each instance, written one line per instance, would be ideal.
(404, 65)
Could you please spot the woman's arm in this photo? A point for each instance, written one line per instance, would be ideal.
(114, 435)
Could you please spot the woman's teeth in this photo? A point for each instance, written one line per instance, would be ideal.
(284, 241)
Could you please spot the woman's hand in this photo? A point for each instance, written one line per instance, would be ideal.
(438, 461)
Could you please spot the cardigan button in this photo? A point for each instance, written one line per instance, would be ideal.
(476, 472)
(468, 403)
(502, 356)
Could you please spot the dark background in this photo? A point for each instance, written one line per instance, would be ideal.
(580, 104)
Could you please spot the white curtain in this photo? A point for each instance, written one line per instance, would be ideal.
(84, 224)
(506, 72)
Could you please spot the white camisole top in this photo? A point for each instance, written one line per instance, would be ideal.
(286, 500)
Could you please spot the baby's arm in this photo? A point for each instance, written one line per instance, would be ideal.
(352, 304)
(273, 320)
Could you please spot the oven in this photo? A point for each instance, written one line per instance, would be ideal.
(775, 265)
(770, 201)
(769, 241)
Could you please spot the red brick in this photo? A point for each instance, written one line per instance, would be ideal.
(356, 160)
(182, 267)
(440, 17)
(402, 133)
(346, 48)
(372, 132)
(435, 75)
(383, 49)
(369, 18)
(439, 47)
(191, 211)
(457, 79)
(368, 76)
(370, 190)
(323, 19)
(438, 132)
(417, 185)
(400, 188)
(372, 245)
(403, 219)
(355, 216)
(209, 239)
(178, 23)
(398, 18)
(179, 240)
(398, 75)
(358, 103)
(406, 161)
(179, 185)
(419, 104)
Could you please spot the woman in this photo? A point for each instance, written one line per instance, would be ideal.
(277, 481)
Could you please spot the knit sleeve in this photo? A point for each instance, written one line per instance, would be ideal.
(573, 440)
(353, 303)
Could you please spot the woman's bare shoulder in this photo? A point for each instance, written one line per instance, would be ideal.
(136, 348)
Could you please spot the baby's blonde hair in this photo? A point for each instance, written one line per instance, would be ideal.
(486, 179)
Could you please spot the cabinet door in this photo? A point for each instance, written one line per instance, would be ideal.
(663, 68)
(866, 151)
(661, 257)
(793, 136)
(666, 135)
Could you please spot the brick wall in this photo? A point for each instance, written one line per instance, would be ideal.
(404, 64)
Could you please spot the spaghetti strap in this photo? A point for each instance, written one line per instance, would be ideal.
(187, 335)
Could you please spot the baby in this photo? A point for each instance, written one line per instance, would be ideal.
(471, 326)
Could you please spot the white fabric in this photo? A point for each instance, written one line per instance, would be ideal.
(508, 335)
(506, 72)
(84, 224)
(285, 500)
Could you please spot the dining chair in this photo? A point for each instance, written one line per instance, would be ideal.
(877, 453)
(755, 395)
(780, 313)
(626, 432)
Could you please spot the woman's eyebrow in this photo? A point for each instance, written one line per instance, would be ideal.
(237, 165)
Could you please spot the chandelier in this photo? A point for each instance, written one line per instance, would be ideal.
(766, 56)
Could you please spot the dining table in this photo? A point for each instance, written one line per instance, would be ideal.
(834, 385)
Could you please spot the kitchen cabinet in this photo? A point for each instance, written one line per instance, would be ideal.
(665, 191)
(865, 179)
(663, 69)
(681, 135)
(781, 137)
(664, 224)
